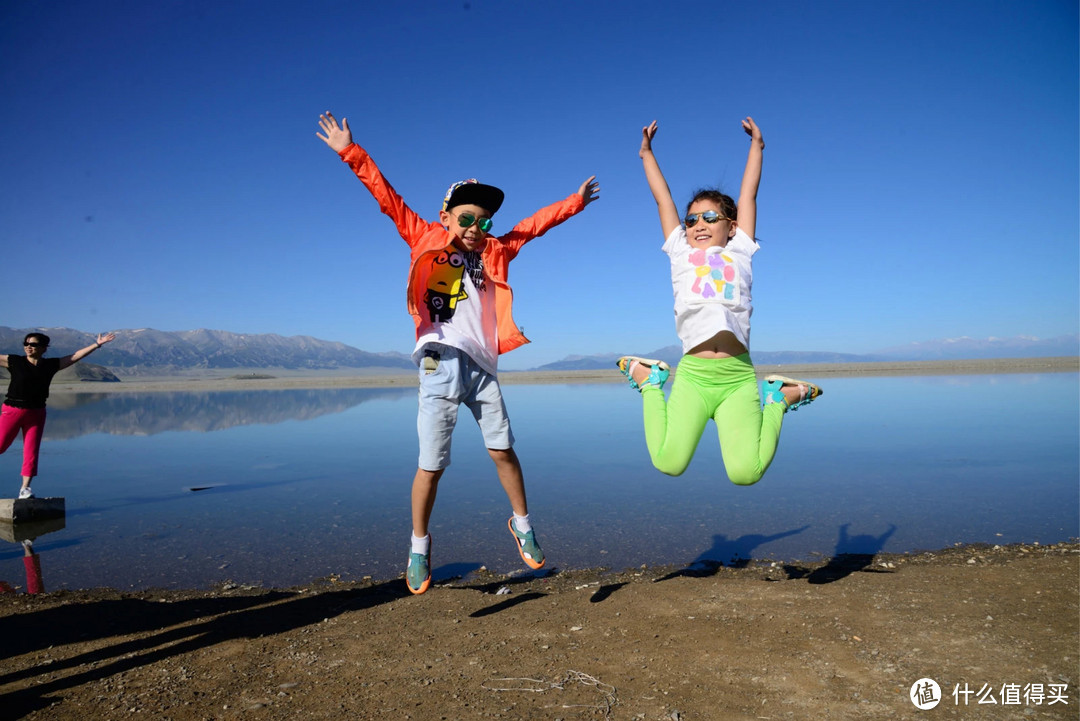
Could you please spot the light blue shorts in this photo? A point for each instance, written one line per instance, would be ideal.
(457, 379)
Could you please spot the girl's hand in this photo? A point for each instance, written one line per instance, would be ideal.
(338, 138)
(647, 134)
(104, 338)
(589, 190)
(753, 131)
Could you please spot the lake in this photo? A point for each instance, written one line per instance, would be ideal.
(282, 487)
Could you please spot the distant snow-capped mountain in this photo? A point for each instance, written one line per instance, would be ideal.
(146, 350)
(963, 348)
(671, 354)
(942, 349)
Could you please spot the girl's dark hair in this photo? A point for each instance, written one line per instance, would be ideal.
(726, 203)
(40, 336)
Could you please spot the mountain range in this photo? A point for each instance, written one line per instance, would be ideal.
(942, 349)
(147, 351)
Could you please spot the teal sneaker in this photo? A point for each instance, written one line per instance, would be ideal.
(658, 371)
(808, 392)
(527, 546)
(773, 394)
(418, 572)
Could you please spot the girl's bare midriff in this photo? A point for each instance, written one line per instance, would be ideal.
(722, 345)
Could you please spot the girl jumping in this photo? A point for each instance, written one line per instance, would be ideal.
(710, 252)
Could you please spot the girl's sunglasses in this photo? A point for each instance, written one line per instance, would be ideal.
(31, 344)
(709, 216)
(465, 220)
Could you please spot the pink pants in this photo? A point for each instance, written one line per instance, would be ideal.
(31, 421)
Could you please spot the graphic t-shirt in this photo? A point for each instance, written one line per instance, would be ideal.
(711, 287)
(458, 312)
(29, 386)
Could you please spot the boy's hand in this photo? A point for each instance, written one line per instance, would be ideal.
(753, 131)
(589, 190)
(336, 137)
(647, 134)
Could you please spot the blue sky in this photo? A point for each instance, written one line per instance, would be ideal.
(920, 180)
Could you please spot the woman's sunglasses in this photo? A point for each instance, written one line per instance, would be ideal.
(36, 345)
(709, 216)
(465, 220)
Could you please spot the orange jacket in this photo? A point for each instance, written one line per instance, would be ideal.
(427, 240)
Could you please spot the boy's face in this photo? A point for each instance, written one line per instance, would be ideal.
(470, 238)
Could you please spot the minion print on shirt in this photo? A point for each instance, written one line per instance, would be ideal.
(716, 277)
(444, 287)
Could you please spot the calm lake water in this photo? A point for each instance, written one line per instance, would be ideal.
(302, 484)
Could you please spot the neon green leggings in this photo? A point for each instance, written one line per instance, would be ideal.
(726, 390)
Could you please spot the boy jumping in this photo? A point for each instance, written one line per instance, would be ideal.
(460, 301)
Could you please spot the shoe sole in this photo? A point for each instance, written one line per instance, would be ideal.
(521, 551)
(423, 586)
(651, 362)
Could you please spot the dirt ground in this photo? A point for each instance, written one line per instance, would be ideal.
(843, 639)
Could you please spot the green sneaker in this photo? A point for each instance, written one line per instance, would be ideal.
(527, 546)
(418, 572)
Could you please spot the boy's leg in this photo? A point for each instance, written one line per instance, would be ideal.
(425, 487)
(508, 467)
(439, 399)
(489, 410)
(673, 429)
(748, 433)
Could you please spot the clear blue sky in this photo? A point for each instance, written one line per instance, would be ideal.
(161, 169)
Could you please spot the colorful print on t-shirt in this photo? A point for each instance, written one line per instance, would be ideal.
(444, 286)
(716, 277)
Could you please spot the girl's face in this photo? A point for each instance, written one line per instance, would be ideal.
(702, 234)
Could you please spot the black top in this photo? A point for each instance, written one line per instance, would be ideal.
(29, 385)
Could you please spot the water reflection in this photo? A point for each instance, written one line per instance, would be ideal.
(145, 414)
(25, 534)
(306, 484)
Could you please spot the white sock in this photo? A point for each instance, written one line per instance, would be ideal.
(421, 545)
(522, 523)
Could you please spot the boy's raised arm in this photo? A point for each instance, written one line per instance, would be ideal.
(747, 219)
(547, 218)
(669, 212)
(589, 190)
(339, 137)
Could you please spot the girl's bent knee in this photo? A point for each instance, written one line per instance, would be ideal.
(745, 478)
(669, 469)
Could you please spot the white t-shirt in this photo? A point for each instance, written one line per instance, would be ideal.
(471, 325)
(712, 288)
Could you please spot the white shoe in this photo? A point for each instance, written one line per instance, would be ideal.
(25, 493)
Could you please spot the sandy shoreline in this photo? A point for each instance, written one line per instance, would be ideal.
(280, 380)
(846, 638)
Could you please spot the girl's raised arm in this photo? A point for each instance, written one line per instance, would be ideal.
(751, 179)
(669, 213)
